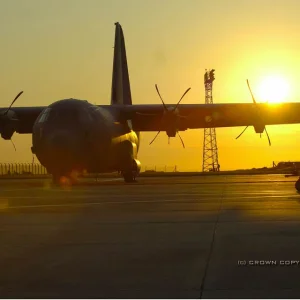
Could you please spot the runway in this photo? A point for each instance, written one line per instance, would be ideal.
(163, 237)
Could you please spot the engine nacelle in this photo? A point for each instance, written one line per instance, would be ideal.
(8, 124)
(259, 128)
(173, 122)
(7, 133)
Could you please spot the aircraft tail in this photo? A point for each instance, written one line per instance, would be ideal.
(120, 90)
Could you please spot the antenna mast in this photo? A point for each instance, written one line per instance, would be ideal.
(210, 148)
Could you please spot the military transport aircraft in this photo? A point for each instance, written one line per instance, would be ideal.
(74, 135)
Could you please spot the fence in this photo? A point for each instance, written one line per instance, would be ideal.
(155, 168)
(38, 169)
(22, 169)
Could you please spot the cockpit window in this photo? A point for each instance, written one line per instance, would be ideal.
(64, 115)
(44, 115)
(60, 115)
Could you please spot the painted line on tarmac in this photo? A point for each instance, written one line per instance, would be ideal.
(6, 207)
(150, 194)
(194, 197)
(94, 188)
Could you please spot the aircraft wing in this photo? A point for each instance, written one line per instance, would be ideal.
(191, 116)
(26, 117)
(150, 117)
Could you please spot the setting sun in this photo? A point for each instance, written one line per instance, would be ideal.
(273, 89)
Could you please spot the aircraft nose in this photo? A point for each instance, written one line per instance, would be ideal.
(63, 145)
(61, 140)
(63, 152)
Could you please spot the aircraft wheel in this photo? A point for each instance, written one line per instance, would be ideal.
(297, 185)
(62, 180)
(129, 176)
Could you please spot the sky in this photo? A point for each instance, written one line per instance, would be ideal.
(59, 49)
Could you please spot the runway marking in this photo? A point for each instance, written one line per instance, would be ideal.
(196, 197)
(93, 188)
(112, 202)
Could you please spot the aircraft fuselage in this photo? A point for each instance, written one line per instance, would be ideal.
(75, 136)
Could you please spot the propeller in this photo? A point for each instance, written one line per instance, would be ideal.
(7, 122)
(13, 144)
(181, 139)
(253, 99)
(154, 138)
(13, 102)
(169, 116)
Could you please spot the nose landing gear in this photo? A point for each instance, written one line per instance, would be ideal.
(64, 179)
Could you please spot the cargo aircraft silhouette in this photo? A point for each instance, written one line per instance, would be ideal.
(74, 135)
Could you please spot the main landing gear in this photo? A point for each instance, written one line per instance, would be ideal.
(129, 176)
(297, 185)
(131, 171)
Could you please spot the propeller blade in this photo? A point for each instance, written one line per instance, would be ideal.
(251, 92)
(154, 138)
(13, 144)
(242, 132)
(13, 102)
(181, 139)
(181, 98)
(268, 136)
(160, 97)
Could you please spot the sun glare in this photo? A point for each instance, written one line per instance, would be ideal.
(273, 89)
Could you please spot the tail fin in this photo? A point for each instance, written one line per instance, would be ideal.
(120, 90)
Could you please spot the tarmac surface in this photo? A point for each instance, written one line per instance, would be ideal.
(172, 237)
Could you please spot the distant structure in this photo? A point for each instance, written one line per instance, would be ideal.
(210, 149)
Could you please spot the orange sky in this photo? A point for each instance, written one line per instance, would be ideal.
(61, 49)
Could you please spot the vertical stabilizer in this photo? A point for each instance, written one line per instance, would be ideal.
(120, 90)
